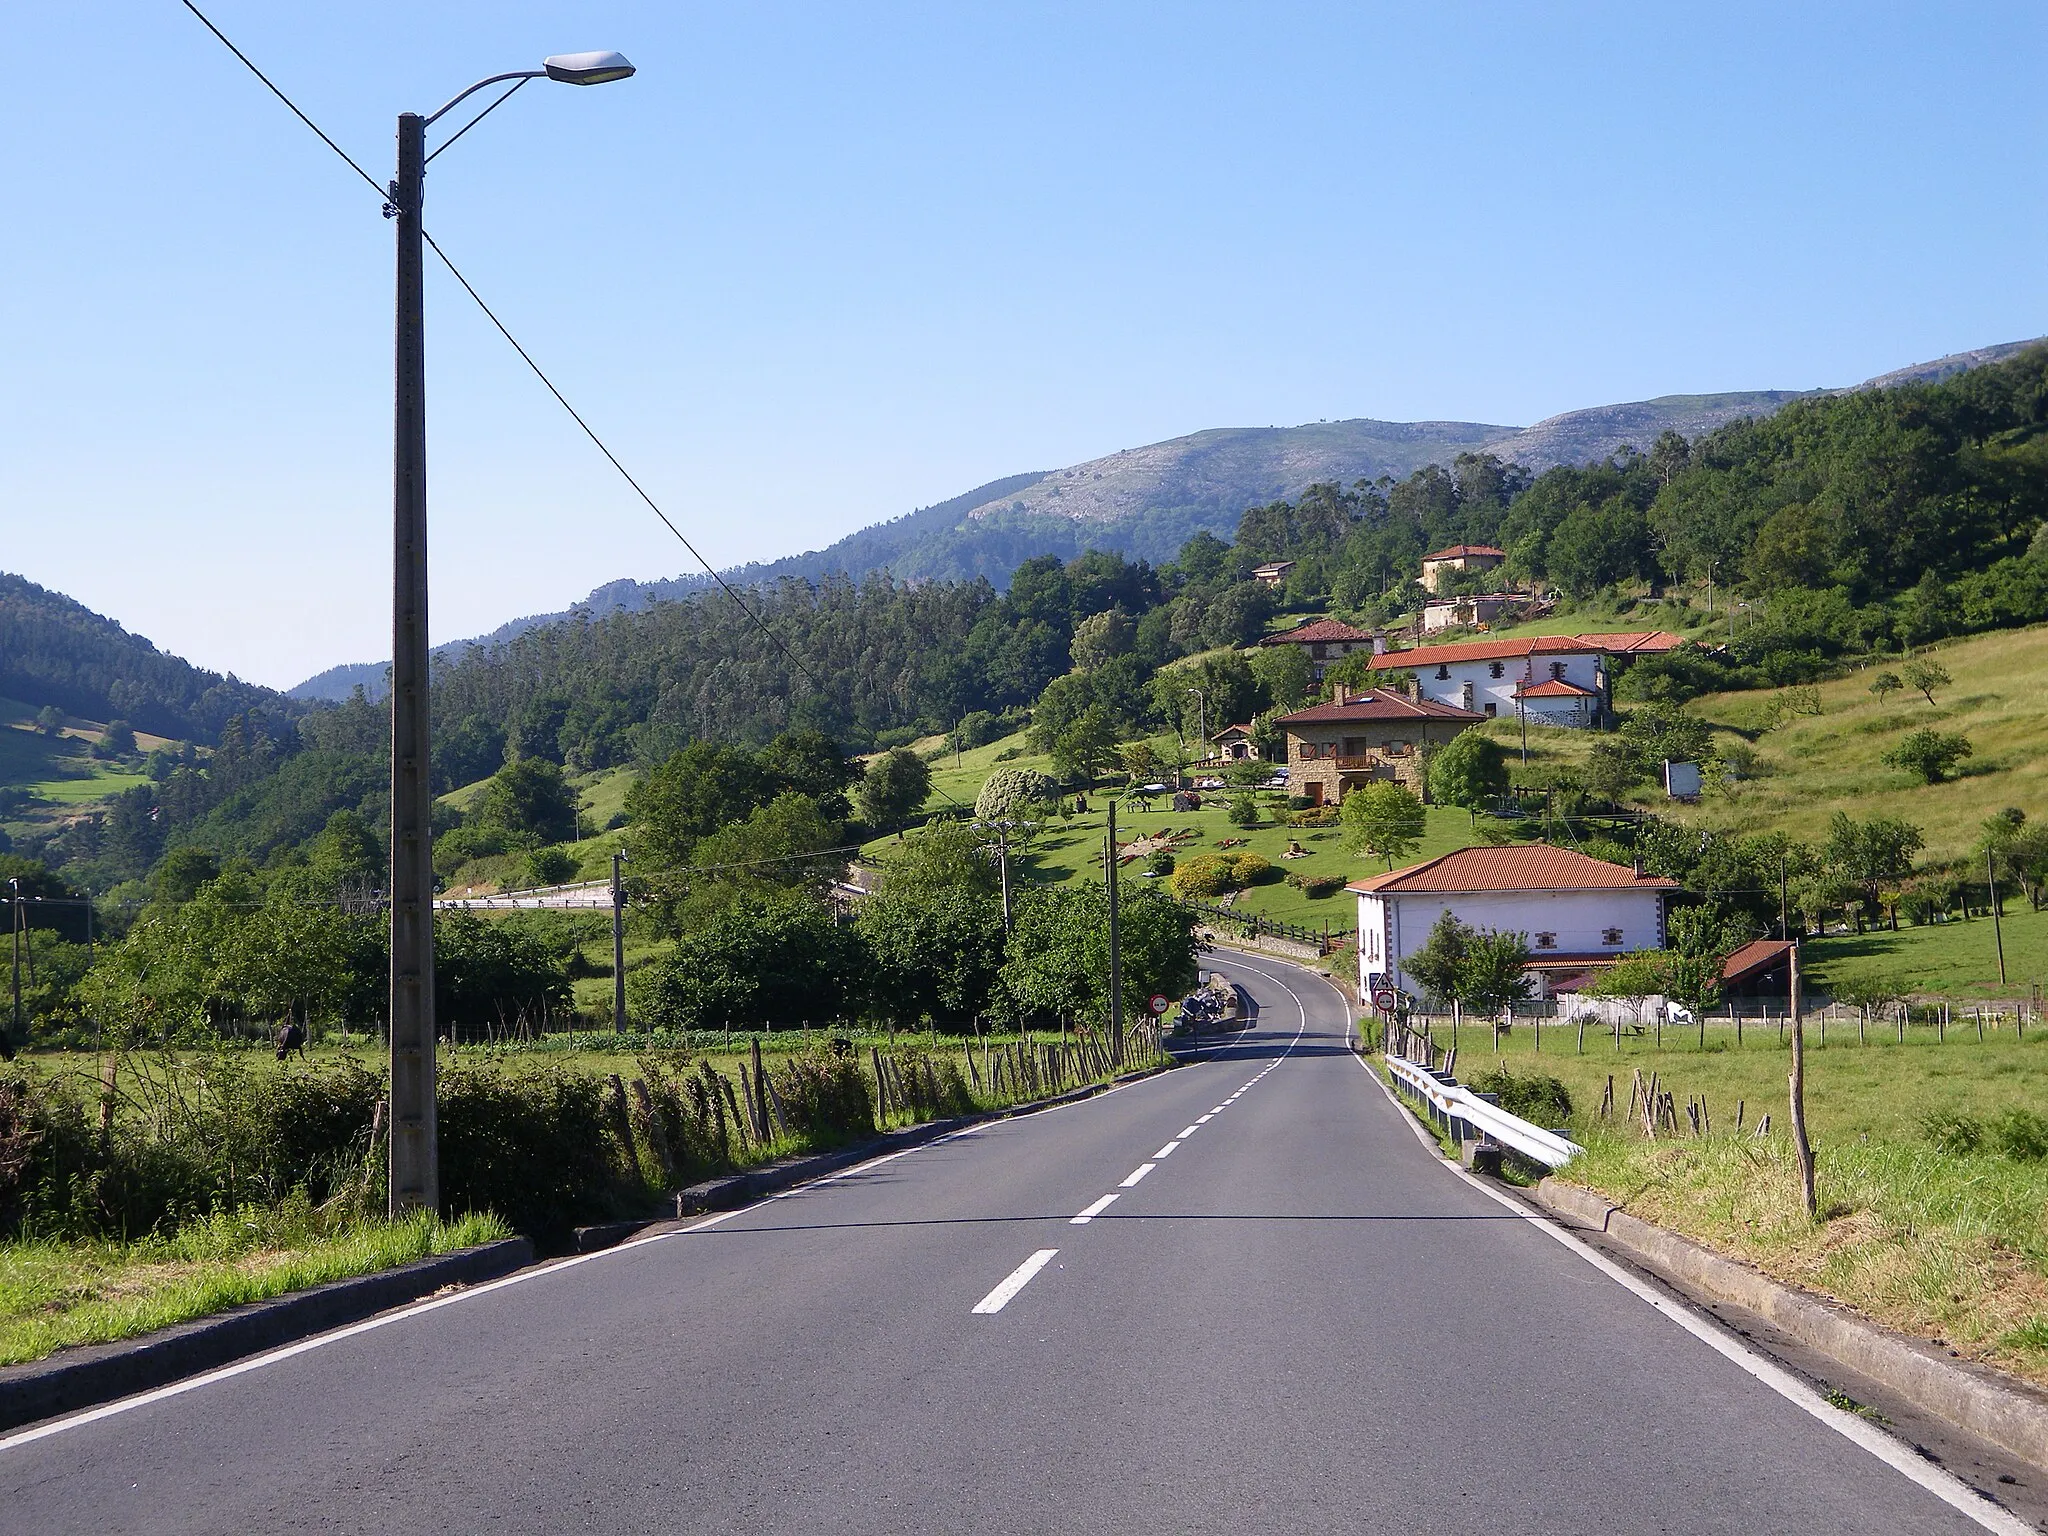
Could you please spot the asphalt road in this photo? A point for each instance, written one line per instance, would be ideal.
(1297, 1320)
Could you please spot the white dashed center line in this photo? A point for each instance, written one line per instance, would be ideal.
(1019, 1277)
(1143, 1169)
(1096, 1209)
(1184, 1135)
(1203, 1121)
(1165, 1151)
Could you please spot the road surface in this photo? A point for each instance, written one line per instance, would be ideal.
(1283, 1315)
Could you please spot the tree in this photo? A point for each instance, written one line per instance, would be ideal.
(1057, 961)
(1439, 965)
(1384, 819)
(1244, 809)
(944, 854)
(894, 787)
(1285, 675)
(527, 803)
(1101, 638)
(1140, 759)
(787, 844)
(1885, 684)
(1084, 747)
(1930, 754)
(690, 795)
(936, 953)
(181, 874)
(1493, 973)
(1926, 674)
(50, 720)
(1867, 854)
(1007, 791)
(1469, 771)
(762, 959)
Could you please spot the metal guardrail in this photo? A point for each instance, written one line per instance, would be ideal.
(1454, 1102)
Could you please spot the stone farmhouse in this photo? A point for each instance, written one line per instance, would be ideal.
(1459, 557)
(1579, 913)
(1358, 737)
(1325, 641)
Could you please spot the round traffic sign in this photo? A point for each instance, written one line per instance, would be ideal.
(1160, 1003)
(1384, 999)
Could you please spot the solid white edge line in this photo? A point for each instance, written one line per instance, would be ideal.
(1017, 1279)
(1142, 1170)
(532, 1272)
(1946, 1486)
(1091, 1212)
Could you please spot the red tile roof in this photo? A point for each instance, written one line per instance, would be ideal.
(1483, 650)
(1519, 867)
(1555, 688)
(1637, 642)
(1754, 958)
(1377, 704)
(1318, 631)
(1460, 551)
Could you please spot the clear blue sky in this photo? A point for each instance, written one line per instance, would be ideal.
(820, 264)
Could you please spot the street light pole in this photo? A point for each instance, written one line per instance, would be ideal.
(414, 1180)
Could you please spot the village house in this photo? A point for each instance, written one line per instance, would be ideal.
(1234, 744)
(1325, 641)
(1547, 679)
(1358, 737)
(1579, 913)
(1273, 573)
(1459, 557)
(1477, 608)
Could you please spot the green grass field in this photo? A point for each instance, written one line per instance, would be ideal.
(1956, 960)
(1946, 1244)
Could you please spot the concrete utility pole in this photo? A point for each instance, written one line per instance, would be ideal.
(618, 942)
(1201, 717)
(1003, 869)
(415, 1177)
(1997, 926)
(14, 927)
(1116, 994)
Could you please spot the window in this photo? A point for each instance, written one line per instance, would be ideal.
(1443, 673)
(1492, 710)
(1610, 936)
(1318, 650)
(1546, 941)
(1494, 669)
(1557, 670)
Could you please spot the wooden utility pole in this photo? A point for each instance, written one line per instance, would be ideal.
(1997, 925)
(1800, 1144)
(618, 942)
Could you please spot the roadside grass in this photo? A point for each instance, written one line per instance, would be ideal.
(1946, 1243)
(57, 1294)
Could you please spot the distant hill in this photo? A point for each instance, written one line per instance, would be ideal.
(57, 651)
(1146, 502)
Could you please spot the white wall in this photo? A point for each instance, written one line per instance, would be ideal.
(1581, 668)
(1392, 927)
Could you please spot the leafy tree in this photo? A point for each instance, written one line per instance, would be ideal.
(1886, 683)
(50, 720)
(527, 803)
(1007, 792)
(787, 844)
(761, 959)
(1140, 759)
(1494, 973)
(1101, 638)
(1285, 676)
(1384, 819)
(1081, 750)
(493, 978)
(181, 874)
(1057, 960)
(1930, 754)
(117, 740)
(1469, 771)
(944, 854)
(1925, 674)
(1244, 810)
(894, 787)
(690, 795)
(936, 952)
(811, 763)
(550, 866)
(1439, 965)
(1868, 854)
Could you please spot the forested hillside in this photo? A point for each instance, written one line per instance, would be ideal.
(54, 651)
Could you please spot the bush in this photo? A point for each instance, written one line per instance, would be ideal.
(824, 1096)
(1931, 755)
(1248, 868)
(536, 1145)
(1316, 887)
(1203, 876)
(550, 866)
(1536, 1098)
(1244, 810)
(2021, 1135)
(1161, 862)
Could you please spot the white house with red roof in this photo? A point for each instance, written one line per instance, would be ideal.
(1325, 641)
(1549, 679)
(1578, 912)
(1459, 557)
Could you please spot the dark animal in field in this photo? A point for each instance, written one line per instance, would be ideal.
(291, 1038)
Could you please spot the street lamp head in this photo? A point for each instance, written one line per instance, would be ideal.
(587, 68)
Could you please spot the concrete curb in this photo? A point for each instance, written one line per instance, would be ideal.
(1976, 1398)
(735, 1190)
(91, 1374)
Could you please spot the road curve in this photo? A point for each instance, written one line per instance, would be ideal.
(1239, 1296)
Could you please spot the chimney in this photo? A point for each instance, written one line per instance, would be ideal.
(1343, 694)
